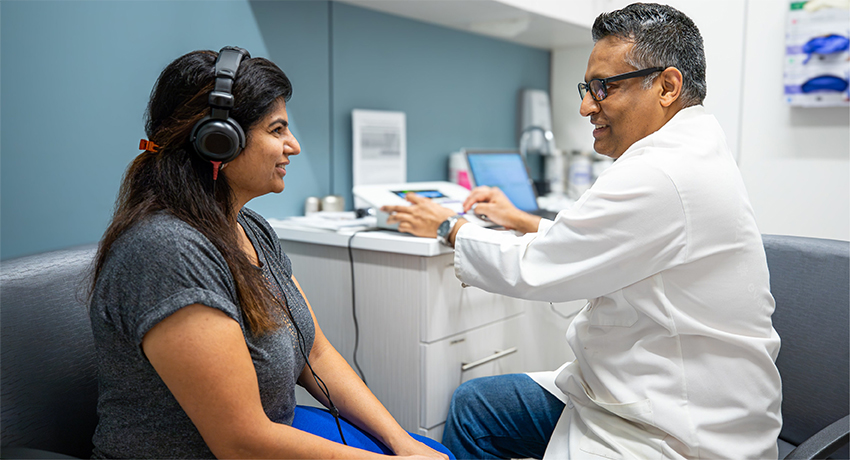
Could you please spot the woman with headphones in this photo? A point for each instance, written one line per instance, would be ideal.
(201, 329)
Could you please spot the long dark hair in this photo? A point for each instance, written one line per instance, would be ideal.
(176, 180)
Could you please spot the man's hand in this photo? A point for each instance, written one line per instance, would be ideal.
(421, 218)
(492, 203)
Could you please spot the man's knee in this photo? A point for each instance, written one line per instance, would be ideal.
(463, 397)
(472, 391)
(483, 393)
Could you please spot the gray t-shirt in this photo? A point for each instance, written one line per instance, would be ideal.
(155, 268)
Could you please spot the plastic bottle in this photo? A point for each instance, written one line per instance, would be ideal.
(581, 174)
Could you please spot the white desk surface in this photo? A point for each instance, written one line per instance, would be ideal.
(373, 240)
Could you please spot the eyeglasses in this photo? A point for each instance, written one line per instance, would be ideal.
(599, 86)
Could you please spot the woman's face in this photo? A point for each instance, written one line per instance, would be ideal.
(260, 168)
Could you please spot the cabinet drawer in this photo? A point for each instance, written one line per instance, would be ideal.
(435, 433)
(442, 361)
(450, 309)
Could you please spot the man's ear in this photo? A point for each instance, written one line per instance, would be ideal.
(671, 86)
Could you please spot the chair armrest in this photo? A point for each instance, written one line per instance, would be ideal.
(824, 442)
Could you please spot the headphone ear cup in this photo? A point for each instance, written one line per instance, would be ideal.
(218, 140)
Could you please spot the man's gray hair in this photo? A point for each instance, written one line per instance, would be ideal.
(663, 37)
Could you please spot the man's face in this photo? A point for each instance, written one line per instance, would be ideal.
(629, 113)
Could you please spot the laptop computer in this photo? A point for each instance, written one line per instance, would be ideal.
(507, 170)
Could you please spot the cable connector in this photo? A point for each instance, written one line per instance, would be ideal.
(216, 166)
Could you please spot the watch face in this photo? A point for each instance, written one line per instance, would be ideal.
(443, 230)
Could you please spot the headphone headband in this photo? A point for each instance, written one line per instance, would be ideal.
(226, 66)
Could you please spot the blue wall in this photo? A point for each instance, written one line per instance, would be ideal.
(75, 78)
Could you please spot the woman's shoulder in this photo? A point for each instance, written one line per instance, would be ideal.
(158, 265)
(254, 218)
(259, 225)
(164, 236)
(269, 241)
(162, 228)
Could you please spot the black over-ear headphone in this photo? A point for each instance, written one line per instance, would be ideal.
(217, 137)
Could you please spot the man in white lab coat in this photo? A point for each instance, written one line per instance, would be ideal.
(675, 350)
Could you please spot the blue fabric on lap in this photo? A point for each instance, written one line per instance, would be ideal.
(321, 423)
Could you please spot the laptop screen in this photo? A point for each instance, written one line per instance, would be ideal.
(507, 171)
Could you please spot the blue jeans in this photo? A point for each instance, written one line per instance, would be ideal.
(504, 416)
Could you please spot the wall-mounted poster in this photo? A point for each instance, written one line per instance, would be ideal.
(817, 48)
(379, 154)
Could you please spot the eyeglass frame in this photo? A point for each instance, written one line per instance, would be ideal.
(584, 87)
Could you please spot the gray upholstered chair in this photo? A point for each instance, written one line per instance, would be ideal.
(809, 279)
(48, 378)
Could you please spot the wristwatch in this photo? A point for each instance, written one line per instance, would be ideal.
(445, 229)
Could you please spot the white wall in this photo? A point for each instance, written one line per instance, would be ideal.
(572, 131)
(795, 162)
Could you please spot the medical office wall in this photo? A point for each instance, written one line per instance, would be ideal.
(76, 76)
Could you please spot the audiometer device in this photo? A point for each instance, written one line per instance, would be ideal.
(444, 193)
(507, 170)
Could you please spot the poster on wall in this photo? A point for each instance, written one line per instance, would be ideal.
(379, 140)
(817, 49)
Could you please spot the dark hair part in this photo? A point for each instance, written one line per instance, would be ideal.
(663, 37)
(175, 179)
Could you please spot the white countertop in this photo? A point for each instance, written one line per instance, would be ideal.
(372, 240)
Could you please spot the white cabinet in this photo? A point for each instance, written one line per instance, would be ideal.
(448, 309)
(442, 363)
(417, 325)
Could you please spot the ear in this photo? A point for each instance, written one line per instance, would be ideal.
(671, 86)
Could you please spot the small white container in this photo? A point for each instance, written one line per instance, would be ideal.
(333, 203)
(311, 205)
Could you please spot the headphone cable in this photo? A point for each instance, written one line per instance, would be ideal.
(319, 382)
(354, 303)
(301, 343)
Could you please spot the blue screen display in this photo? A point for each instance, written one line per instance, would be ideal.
(432, 194)
(506, 171)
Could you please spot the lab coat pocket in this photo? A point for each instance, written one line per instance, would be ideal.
(613, 311)
(638, 411)
(620, 430)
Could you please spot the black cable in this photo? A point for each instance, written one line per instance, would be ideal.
(319, 382)
(354, 306)
(302, 341)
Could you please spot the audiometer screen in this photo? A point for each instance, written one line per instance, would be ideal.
(506, 171)
(432, 194)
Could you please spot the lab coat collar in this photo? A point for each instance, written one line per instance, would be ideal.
(682, 116)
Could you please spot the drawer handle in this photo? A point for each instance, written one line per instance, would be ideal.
(493, 357)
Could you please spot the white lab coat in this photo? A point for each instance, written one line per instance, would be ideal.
(675, 350)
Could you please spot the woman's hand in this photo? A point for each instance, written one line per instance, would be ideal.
(412, 448)
(492, 203)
